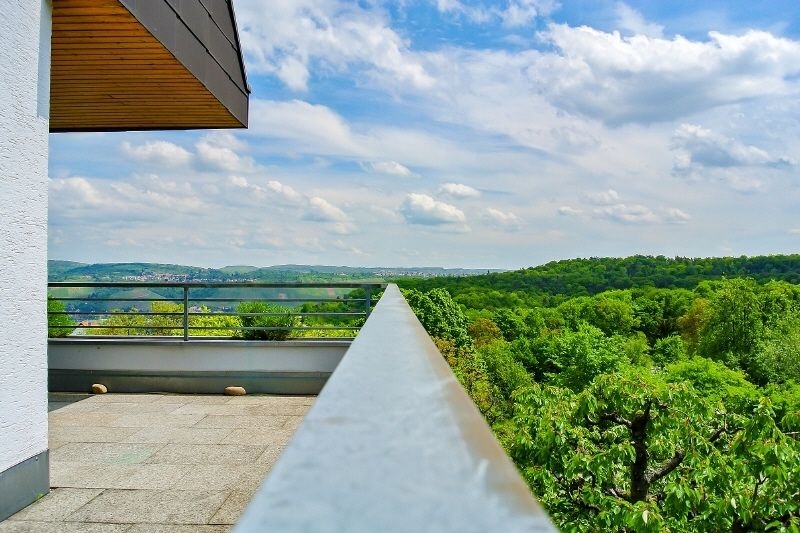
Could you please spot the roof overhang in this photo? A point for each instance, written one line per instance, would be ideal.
(146, 64)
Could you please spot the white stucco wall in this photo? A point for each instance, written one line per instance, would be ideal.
(24, 103)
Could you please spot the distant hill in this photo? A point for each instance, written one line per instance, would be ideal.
(154, 272)
(58, 268)
(575, 277)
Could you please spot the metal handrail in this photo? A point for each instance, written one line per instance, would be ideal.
(186, 314)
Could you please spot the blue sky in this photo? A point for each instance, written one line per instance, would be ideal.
(464, 134)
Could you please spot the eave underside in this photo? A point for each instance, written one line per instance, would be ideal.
(108, 72)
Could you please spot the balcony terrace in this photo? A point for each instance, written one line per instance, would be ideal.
(392, 442)
(157, 462)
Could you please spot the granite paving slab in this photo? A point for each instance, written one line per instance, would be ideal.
(158, 463)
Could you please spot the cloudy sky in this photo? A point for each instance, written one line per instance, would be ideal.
(464, 133)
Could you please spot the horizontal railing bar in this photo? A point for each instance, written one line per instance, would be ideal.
(89, 299)
(278, 328)
(340, 300)
(222, 328)
(153, 313)
(218, 285)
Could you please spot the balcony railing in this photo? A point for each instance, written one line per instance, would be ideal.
(94, 306)
(393, 443)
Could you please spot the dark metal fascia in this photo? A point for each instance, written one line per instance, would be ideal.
(226, 90)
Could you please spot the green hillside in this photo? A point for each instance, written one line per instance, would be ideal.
(559, 280)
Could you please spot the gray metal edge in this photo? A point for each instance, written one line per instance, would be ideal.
(24, 483)
(186, 382)
(393, 443)
(178, 341)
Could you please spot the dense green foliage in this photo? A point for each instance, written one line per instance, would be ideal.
(644, 408)
(58, 325)
(274, 316)
(558, 281)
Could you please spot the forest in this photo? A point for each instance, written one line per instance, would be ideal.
(638, 394)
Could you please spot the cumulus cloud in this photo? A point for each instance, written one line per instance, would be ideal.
(286, 38)
(321, 210)
(284, 191)
(696, 146)
(424, 210)
(632, 21)
(568, 211)
(673, 214)
(627, 214)
(514, 14)
(157, 152)
(459, 190)
(219, 152)
(144, 196)
(603, 197)
(500, 218)
(392, 168)
(315, 127)
(620, 79)
(701, 153)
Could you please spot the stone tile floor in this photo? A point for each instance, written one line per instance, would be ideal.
(153, 463)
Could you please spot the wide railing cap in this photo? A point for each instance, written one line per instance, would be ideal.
(393, 443)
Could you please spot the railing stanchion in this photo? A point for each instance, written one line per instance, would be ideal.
(186, 312)
(367, 301)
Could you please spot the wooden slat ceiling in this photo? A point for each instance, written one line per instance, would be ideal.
(109, 73)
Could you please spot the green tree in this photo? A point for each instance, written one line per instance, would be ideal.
(440, 316)
(484, 331)
(634, 453)
(735, 324)
(58, 325)
(777, 357)
(276, 317)
(579, 356)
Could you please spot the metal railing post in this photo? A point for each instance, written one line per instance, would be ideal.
(186, 312)
(367, 301)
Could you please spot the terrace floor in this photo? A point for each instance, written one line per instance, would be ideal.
(153, 463)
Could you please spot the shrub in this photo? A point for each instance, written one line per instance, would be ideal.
(64, 322)
(279, 317)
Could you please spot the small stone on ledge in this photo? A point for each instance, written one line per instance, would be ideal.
(99, 388)
(235, 391)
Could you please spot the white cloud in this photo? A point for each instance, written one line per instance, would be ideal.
(75, 192)
(523, 12)
(566, 210)
(345, 247)
(145, 196)
(631, 20)
(677, 216)
(459, 190)
(603, 197)
(514, 14)
(218, 152)
(285, 191)
(698, 146)
(315, 128)
(321, 210)
(238, 181)
(700, 153)
(393, 168)
(794, 231)
(157, 152)
(627, 79)
(287, 39)
(503, 219)
(627, 214)
(424, 210)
